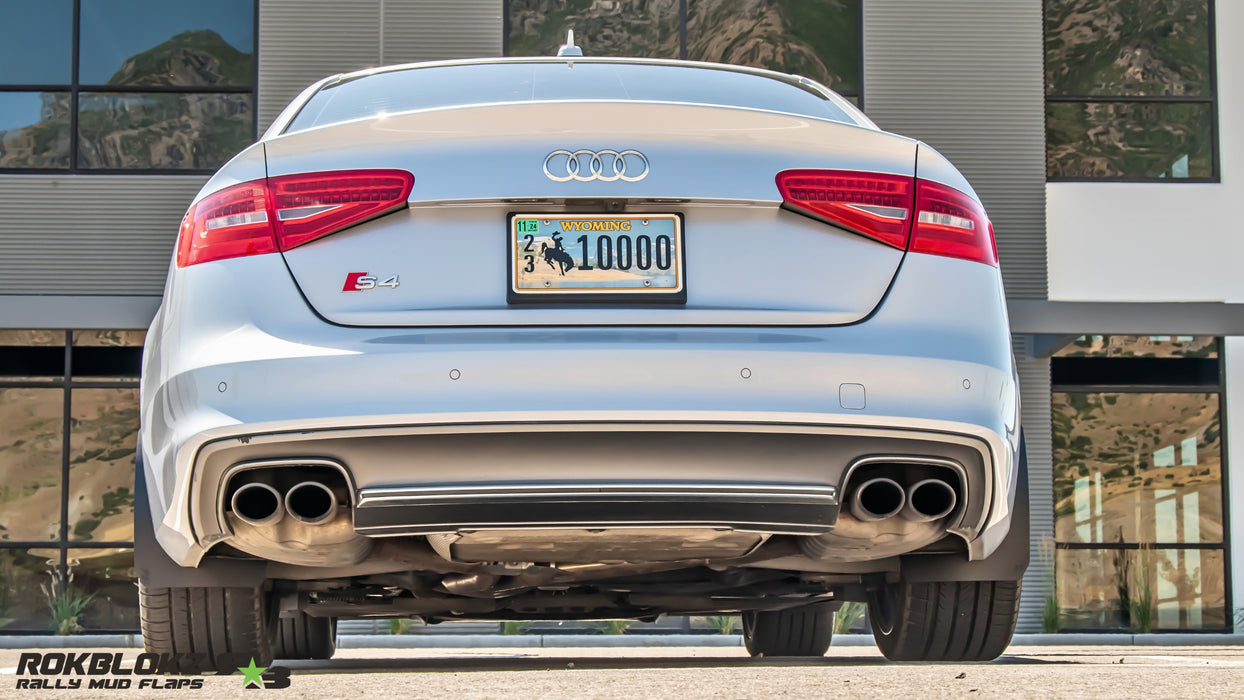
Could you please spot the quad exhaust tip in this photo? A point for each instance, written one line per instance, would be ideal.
(877, 499)
(257, 504)
(929, 500)
(311, 502)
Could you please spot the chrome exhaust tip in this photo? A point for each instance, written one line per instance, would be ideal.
(929, 500)
(877, 499)
(311, 502)
(257, 504)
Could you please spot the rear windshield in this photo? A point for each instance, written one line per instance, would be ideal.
(454, 86)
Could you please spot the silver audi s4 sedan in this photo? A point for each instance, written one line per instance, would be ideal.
(577, 338)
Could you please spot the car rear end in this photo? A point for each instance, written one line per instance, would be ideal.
(521, 318)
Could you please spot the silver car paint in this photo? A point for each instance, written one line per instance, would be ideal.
(235, 351)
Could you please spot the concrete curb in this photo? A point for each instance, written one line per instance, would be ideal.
(570, 641)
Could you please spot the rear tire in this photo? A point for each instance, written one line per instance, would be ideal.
(802, 631)
(944, 621)
(207, 628)
(305, 637)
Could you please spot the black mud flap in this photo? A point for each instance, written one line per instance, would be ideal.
(156, 570)
(1008, 562)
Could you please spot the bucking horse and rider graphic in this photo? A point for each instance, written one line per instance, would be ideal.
(557, 254)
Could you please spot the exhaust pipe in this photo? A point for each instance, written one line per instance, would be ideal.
(929, 500)
(257, 504)
(877, 499)
(311, 502)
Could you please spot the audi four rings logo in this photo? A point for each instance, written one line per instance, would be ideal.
(606, 166)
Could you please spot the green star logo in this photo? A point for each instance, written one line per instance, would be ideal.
(252, 674)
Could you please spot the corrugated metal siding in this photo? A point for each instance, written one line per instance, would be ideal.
(301, 41)
(967, 78)
(82, 234)
(431, 31)
(1034, 386)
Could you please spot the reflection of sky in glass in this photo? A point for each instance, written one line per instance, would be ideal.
(19, 109)
(114, 30)
(36, 48)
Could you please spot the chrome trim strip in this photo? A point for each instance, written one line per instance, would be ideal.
(371, 497)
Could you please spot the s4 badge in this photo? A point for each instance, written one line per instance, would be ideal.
(362, 281)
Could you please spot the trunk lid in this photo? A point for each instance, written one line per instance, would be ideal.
(747, 260)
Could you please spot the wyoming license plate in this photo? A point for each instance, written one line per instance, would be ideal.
(596, 257)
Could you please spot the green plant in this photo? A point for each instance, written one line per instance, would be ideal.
(400, 625)
(724, 624)
(1051, 612)
(613, 626)
(515, 626)
(1140, 607)
(65, 604)
(846, 616)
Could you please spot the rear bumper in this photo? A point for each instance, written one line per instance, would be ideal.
(256, 376)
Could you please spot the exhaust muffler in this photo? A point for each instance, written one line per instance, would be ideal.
(877, 499)
(257, 504)
(311, 502)
(929, 500)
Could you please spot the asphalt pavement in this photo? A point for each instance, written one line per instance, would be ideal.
(711, 672)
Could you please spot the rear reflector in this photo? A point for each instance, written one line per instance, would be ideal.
(947, 222)
(280, 213)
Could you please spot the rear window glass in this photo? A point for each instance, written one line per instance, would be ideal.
(453, 86)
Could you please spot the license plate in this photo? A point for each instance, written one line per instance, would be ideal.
(596, 257)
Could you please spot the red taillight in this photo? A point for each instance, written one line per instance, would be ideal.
(311, 205)
(951, 223)
(280, 213)
(227, 224)
(945, 222)
(874, 204)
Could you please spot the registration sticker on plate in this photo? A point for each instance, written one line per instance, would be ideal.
(596, 257)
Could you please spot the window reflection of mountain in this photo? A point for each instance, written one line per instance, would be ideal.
(132, 130)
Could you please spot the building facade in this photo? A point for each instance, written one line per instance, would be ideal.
(1099, 134)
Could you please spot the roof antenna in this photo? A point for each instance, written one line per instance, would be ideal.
(569, 49)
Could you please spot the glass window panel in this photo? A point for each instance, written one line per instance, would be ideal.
(32, 355)
(106, 363)
(818, 39)
(1140, 346)
(23, 605)
(601, 27)
(1132, 467)
(109, 338)
(156, 42)
(24, 338)
(162, 131)
(1141, 590)
(108, 575)
(31, 424)
(1127, 47)
(103, 431)
(428, 88)
(1095, 140)
(36, 45)
(34, 130)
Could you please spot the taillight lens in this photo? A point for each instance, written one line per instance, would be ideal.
(945, 221)
(280, 213)
(312, 205)
(874, 204)
(950, 223)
